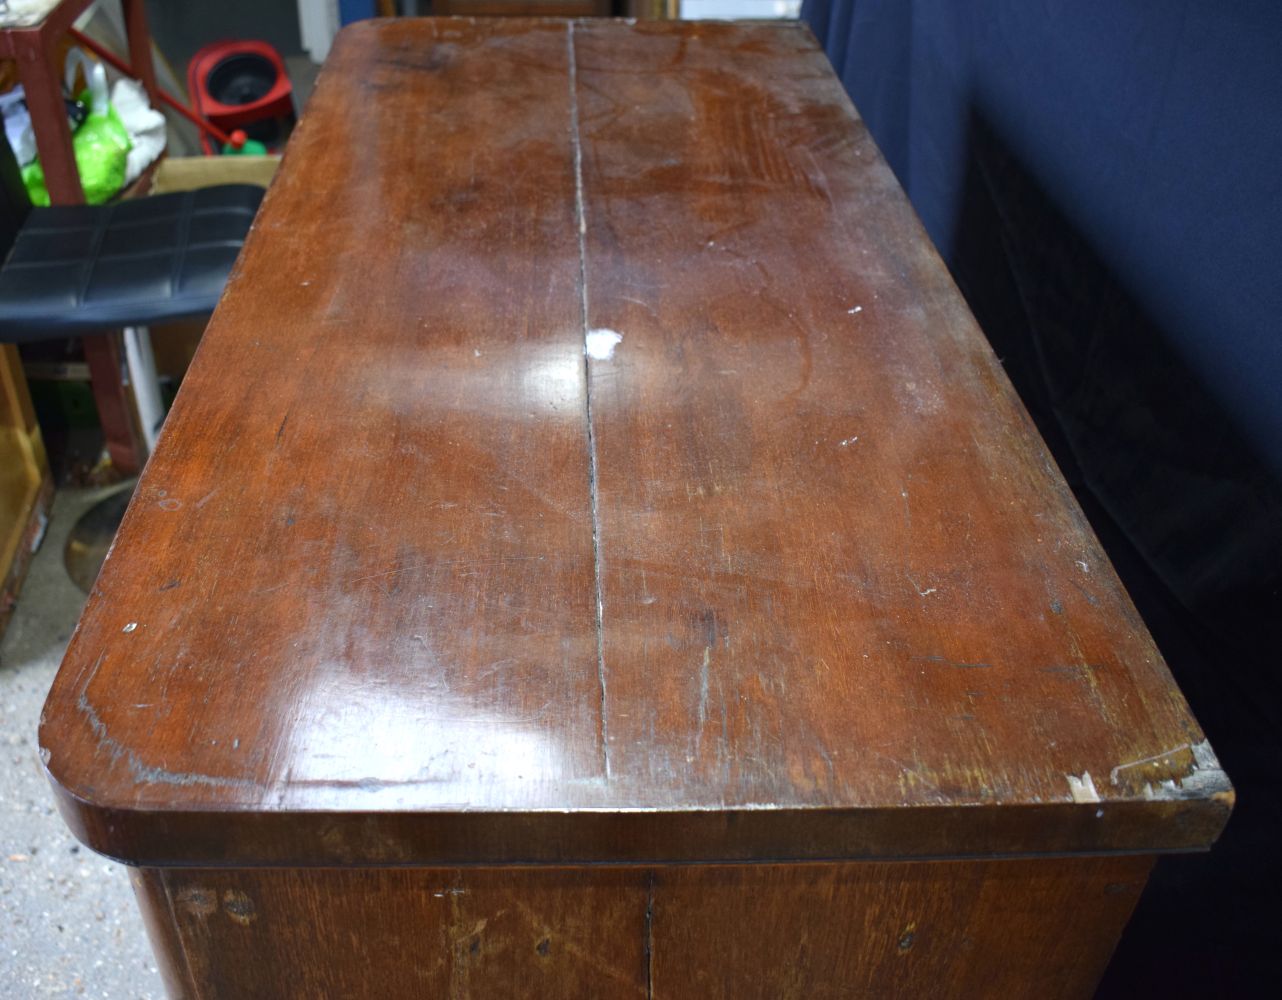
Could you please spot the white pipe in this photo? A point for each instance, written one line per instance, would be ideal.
(141, 363)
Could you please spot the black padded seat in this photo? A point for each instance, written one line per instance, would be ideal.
(87, 268)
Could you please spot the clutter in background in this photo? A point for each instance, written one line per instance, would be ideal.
(244, 105)
(115, 133)
(100, 141)
(235, 142)
(243, 85)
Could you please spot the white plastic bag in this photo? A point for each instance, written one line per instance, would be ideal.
(17, 125)
(145, 125)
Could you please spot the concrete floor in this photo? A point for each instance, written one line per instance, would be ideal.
(68, 922)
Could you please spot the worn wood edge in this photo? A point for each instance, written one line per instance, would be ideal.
(242, 838)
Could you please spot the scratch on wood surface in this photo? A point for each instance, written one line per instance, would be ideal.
(1188, 771)
(642, 303)
(936, 658)
(703, 691)
(1163, 757)
(580, 210)
(917, 587)
(142, 773)
(907, 775)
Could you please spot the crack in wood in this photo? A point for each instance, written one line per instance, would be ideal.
(581, 225)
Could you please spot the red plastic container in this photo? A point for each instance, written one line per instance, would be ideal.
(243, 85)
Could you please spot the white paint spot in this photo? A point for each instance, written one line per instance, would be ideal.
(1082, 564)
(848, 441)
(476, 354)
(600, 343)
(856, 309)
(130, 627)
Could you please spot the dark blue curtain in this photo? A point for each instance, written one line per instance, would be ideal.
(1105, 182)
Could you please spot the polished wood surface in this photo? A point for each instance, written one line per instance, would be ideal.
(591, 460)
(1038, 929)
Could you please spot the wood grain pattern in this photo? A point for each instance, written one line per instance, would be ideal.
(1036, 929)
(592, 461)
(1012, 929)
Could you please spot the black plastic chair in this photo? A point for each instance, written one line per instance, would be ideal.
(81, 269)
(88, 269)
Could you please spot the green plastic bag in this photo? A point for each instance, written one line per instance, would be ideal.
(101, 146)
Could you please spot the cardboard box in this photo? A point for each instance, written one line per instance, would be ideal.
(187, 173)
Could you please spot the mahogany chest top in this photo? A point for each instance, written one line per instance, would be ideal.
(592, 460)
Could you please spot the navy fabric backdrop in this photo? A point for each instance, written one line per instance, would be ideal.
(1105, 182)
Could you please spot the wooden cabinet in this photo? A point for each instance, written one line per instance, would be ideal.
(26, 488)
(596, 553)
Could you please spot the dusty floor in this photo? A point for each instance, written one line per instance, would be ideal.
(68, 923)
